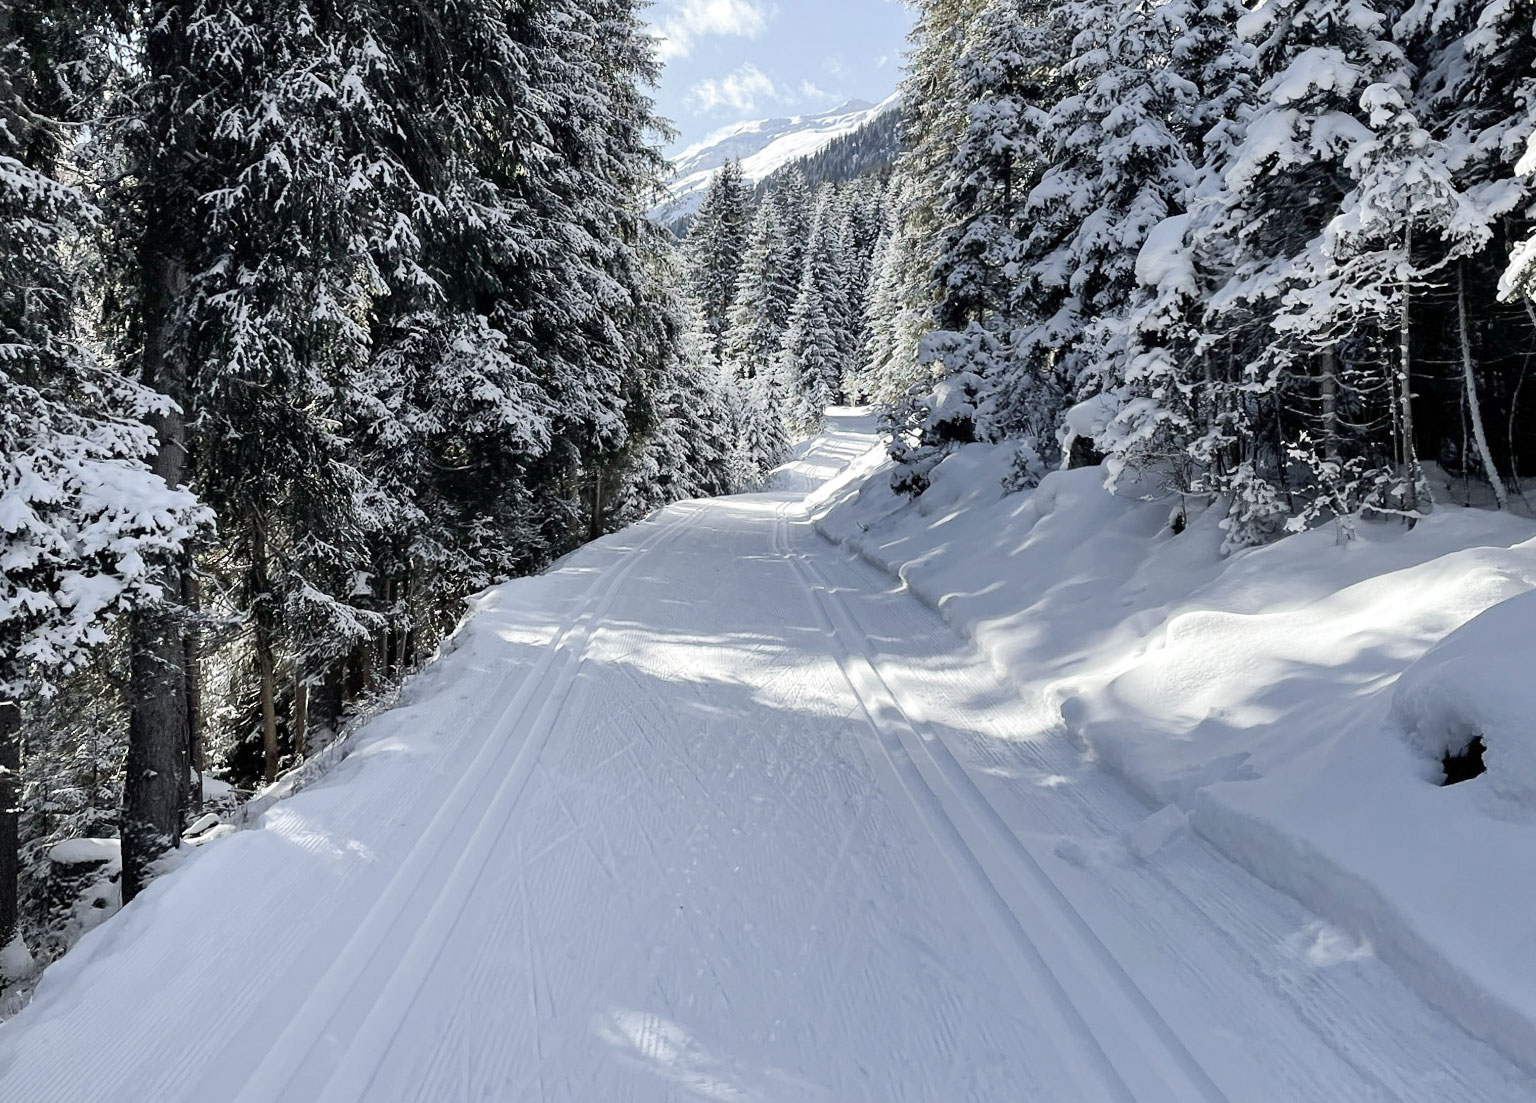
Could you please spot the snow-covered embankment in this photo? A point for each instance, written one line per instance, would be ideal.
(1292, 700)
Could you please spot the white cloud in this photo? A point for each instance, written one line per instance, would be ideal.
(740, 91)
(690, 20)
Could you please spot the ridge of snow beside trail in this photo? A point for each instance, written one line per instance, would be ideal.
(1255, 693)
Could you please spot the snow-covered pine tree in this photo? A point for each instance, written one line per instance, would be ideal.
(513, 364)
(687, 450)
(811, 361)
(795, 205)
(1117, 168)
(1166, 418)
(874, 380)
(590, 188)
(1327, 384)
(277, 294)
(86, 528)
(1519, 278)
(861, 219)
(934, 116)
(1374, 262)
(715, 249)
(763, 441)
(1476, 97)
(153, 218)
(1004, 70)
(455, 402)
(810, 367)
(766, 292)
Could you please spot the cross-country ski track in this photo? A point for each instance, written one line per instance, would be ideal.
(715, 811)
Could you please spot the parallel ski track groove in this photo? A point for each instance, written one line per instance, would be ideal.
(306, 1027)
(1164, 1062)
(354, 1075)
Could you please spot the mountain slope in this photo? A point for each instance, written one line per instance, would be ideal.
(763, 146)
(871, 148)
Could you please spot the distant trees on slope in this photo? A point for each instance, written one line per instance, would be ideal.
(783, 285)
(868, 151)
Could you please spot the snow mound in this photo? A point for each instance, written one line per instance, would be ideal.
(1156, 831)
(16, 961)
(1477, 683)
(1164, 261)
(79, 852)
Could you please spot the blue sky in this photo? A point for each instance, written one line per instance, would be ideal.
(729, 60)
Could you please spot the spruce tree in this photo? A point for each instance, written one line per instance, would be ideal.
(986, 295)
(1172, 414)
(715, 250)
(87, 529)
(1284, 184)
(765, 294)
(934, 117)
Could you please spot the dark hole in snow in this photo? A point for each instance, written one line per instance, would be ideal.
(1465, 764)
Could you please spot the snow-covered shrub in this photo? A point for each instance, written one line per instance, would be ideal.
(1257, 511)
(937, 415)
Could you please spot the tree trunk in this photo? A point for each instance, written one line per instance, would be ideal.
(1410, 471)
(10, 818)
(155, 781)
(300, 713)
(1328, 370)
(157, 770)
(596, 529)
(328, 700)
(1474, 407)
(266, 661)
(192, 595)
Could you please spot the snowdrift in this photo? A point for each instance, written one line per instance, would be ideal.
(1294, 701)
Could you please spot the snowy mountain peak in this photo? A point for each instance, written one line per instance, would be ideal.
(763, 146)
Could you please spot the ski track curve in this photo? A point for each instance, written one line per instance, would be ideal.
(716, 811)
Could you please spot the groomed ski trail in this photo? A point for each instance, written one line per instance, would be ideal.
(714, 811)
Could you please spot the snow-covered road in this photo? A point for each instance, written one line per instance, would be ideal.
(715, 812)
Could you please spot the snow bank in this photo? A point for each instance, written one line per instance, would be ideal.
(1477, 683)
(1293, 701)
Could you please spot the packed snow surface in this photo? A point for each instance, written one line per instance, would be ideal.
(715, 810)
